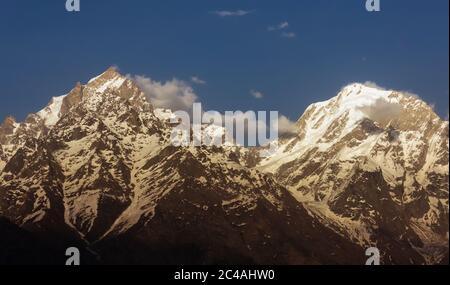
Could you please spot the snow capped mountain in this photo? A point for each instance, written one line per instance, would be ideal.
(96, 166)
(106, 174)
(371, 161)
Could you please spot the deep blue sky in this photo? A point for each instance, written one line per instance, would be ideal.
(45, 50)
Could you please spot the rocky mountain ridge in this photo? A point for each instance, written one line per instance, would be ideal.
(97, 166)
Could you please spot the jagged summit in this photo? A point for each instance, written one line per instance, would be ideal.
(107, 86)
(109, 74)
(97, 96)
(357, 102)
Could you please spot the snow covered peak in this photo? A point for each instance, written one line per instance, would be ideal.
(52, 113)
(353, 104)
(356, 102)
(108, 74)
(363, 94)
(357, 95)
(350, 97)
(110, 79)
(357, 86)
(110, 86)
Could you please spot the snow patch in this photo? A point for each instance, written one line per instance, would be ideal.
(52, 113)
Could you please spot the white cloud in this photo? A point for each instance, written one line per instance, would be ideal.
(289, 35)
(198, 80)
(382, 111)
(373, 85)
(178, 95)
(286, 126)
(256, 94)
(237, 13)
(174, 94)
(386, 110)
(281, 26)
(379, 87)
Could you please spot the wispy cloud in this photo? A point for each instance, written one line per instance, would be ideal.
(198, 80)
(237, 13)
(379, 87)
(288, 35)
(372, 84)
(283, 29)
(280, 26)
(256, 94)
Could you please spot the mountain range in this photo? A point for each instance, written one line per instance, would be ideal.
(96, 169)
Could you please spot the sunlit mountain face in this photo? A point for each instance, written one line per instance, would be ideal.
(97, 169)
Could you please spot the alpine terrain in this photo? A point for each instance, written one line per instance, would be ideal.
(96, 169)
